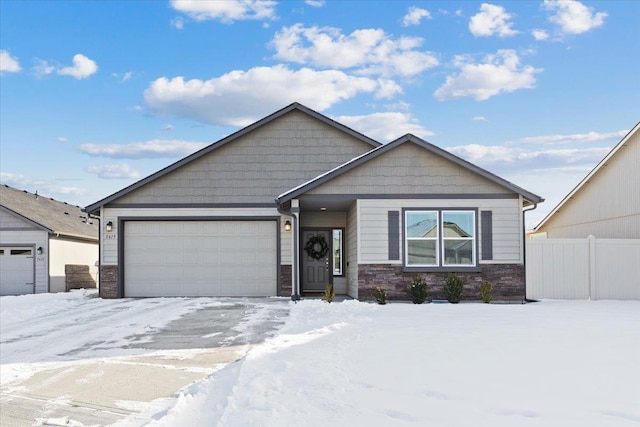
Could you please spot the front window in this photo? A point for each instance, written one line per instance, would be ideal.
(337, 252)
(422, 238)
(440, 238)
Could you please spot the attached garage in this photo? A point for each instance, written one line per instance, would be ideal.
(164, 258)
(17, 270)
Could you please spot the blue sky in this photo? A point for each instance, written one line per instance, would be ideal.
(96, 95)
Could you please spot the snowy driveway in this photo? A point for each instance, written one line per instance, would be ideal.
(71, 359)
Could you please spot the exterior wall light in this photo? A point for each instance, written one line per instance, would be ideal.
(109, 226)
(287, 225)
(39, 251)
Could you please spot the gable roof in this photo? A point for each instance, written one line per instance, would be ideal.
(590, 175)
(345, 167)
(48, 214)
(234, 136)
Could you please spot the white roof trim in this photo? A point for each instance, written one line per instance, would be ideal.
(590, 175)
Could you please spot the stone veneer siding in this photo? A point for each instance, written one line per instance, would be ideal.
(109, 281)
(507, 280)
(78, 277)
(285, 281)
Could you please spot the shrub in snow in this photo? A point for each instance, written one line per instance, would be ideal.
(329, 293)
(486, 292)
(418, 290)
(380, 295)
(453, 288)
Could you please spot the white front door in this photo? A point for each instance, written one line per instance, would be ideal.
(16, 270)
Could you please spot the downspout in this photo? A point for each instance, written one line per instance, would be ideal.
(524, 249)
(295, 285)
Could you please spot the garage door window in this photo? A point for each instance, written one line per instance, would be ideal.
(20, 251)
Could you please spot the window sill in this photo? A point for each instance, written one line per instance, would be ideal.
(452, 269)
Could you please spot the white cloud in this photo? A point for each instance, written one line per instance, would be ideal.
(167, 128)
(63, 139)
(540, 34)
(47, 187)
(500, 72)
(122, 77)
(43, 68)
(156, 148)
(368, 51)
(238, 98)
(458, 12)
(414, 16)
(574, 17)
(116, 171)
(491, 20)
(177, 23)
(480, 119)
(226, 11)
(82, 68)
(503, 159)
(8, 63)
(385, 127)
(315, 3)
(574, 138)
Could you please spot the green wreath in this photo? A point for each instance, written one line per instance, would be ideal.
(316, 247)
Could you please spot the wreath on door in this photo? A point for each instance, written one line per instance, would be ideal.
(316, 247)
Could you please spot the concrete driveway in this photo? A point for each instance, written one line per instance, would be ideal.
(151, 366)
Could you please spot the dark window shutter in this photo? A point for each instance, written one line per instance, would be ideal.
(486, 234)
(394, 235)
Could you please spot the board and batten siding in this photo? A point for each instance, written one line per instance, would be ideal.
(409, 169)
(256, 167)
(109, 253)
(352, 250)
(608, 205)
(373, 239)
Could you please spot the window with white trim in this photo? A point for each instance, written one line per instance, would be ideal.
(440, 238)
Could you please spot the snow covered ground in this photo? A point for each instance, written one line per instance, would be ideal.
(552, 363)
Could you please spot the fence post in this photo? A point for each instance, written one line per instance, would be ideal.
(593, 286)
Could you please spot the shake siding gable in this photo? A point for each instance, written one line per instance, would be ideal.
(409, 169)
(256, 167)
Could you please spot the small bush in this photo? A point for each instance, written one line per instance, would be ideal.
(418, 290)
(380, 295)
(329, 293)
(453, 288)
(486, 292)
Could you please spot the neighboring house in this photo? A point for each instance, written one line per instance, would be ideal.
(606, 203)
(296, 201)
(38, 237)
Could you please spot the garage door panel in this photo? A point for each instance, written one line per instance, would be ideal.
(200, 258)
(16, 271)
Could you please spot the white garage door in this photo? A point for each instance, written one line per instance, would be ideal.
(16, 271)
(200, 258)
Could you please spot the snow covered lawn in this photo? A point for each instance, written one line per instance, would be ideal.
(552, 363)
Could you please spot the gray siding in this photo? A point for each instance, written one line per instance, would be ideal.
(352, 251)
(9, 221)
(373, 227)
(32, 238)
(608, 206)
(409, 169)
(256, 167)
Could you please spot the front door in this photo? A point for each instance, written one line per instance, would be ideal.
(316, 259)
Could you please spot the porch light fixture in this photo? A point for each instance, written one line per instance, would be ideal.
(39, 250)
(287, 225)
(109, 226)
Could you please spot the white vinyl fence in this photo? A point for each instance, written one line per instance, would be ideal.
(583, 268)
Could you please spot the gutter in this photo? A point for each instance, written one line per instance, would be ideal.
(524, 250)
(295, 262)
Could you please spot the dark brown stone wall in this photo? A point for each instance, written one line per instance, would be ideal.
(78, 277)
(109, 281)
(285, 281)
(507, 280)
